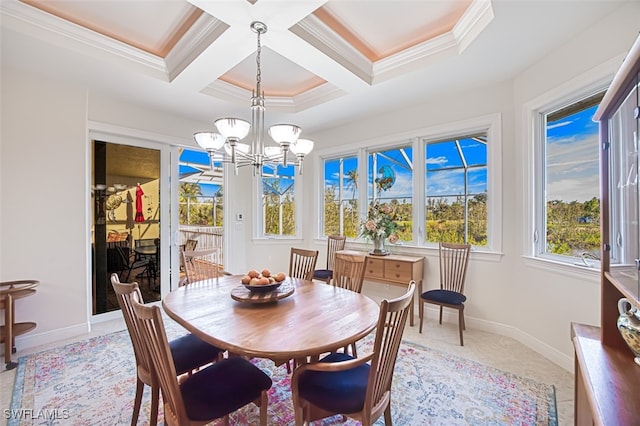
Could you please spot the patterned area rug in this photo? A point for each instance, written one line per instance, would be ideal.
(93, 383)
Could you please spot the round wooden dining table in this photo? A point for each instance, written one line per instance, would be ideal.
(316, 318)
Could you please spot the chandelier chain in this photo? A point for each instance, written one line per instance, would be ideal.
(258, 72)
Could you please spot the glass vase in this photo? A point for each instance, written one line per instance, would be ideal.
(378, 247)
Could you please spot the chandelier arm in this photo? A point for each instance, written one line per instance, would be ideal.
(235, 129)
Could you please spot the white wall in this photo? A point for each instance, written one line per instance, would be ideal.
(44, 200)
(44, 222)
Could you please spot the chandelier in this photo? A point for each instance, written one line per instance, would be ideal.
(225, 146)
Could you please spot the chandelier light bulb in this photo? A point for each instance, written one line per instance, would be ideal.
(209, 140)
(302, 147)
(233, 128)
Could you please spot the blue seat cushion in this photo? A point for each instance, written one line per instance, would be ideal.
(323, 274)
(222, 388)
(191, 352)
(444, 296)
(336, 391)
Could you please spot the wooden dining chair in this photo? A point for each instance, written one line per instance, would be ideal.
(334, 243)
(302, 263)
(348, 273)
(211, 393)
(359, 388)
(188, 352)
(201, 264)
(454, 261)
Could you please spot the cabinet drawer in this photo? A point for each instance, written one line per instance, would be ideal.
(374, 268)
(398, 271)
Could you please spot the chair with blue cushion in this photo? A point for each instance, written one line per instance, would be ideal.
(208, 394)
(359, 388)
(188, 352)
(454, 260)
(334, 243)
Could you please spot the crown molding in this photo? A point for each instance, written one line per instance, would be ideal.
(202, 33)
(320, 36)
(473, 21)
(28, 20)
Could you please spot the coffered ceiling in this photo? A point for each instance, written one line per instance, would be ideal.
(324, 62)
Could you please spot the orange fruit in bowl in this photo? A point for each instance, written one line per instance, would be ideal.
(253, 273)
(263, 281)
(246, 279)
(266, 273)
(280, 276)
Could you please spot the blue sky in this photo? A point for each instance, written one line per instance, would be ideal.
(439, 182)
(197, 157)
(572, 158)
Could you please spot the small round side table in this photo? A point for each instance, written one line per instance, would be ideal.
(9, 292)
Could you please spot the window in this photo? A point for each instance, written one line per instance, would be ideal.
(443, 196)
(341, 196)
(278, 200)
(390, 181)
(201, 190)
(567, 225)
(456, 190)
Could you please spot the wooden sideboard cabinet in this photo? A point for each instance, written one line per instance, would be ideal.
(607, 380)
(394, 269)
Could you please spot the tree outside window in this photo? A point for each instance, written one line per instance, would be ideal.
(390, 181)
(456, 190)
(278, 201)
(569, 211)
(341, 196)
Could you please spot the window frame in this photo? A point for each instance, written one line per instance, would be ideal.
(491, 124)
(534, 126)
(258, 217)
(322, 163)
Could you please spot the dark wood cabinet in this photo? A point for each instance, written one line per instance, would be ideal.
(607, 380)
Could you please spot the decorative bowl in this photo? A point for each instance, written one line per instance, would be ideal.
(265, 288)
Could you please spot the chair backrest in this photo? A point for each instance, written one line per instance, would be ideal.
(190, 245)
(126, 260)
(125, 294)
(145, 242)
(348, 271)
(391, 323)
(334, 243)
(302, 263)
(148, 320)
(454, 259)
(201, 264)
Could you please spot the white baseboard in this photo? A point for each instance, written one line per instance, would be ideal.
(528, 340)
(34, 339)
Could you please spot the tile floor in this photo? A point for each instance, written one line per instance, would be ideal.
(491, 349)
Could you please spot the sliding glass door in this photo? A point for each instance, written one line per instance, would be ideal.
(130, 220)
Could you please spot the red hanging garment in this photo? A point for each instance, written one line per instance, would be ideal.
(139, 215)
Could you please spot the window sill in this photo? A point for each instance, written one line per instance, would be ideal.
(426, 251)
(272, 240)
(591, 274)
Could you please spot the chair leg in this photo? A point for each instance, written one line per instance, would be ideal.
(155, 400)
(461, 324)
(440, 314)
(420, 313)
(263, 408)
(387, 415)
(137, 402)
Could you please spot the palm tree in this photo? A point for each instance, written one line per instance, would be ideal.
(352, 181)
(188, 192)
